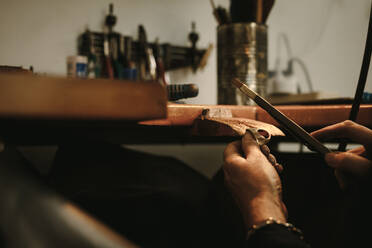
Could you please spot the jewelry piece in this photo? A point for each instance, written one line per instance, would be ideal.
(261, 136)
(270, 221)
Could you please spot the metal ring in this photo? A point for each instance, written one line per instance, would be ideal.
(258, 135)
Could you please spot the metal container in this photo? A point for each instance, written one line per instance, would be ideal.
(241, 53)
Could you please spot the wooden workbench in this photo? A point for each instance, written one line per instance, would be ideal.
(307, 116)
(49, 111)
(176, 128)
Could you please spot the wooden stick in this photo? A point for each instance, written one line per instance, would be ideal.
(259, 11)
(213, 6)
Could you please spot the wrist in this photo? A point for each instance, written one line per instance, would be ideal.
(259, 209)
(270, 222)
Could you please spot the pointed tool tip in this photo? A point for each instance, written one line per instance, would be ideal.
(237, 83)
(244, 88)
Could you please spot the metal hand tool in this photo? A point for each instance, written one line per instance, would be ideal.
(292, 127)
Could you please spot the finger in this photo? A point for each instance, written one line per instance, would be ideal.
(357, 150)
(265, 150)
(361, 151)
(232, 152)
(279, 168)
(346, 129)
(349, 162)
(249, 145)
(233, 148)
(272, 159)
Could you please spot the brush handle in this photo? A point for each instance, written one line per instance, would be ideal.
(259, 11)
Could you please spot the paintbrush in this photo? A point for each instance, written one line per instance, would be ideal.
(220, 14)
(267, 6)
(259, 11)
(292, 127)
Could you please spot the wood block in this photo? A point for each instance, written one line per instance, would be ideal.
(186, 114)
(37, 97)
(214, 126)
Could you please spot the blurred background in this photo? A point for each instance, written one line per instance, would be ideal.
(328, 36)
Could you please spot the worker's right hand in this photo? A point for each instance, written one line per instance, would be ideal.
(354, 167)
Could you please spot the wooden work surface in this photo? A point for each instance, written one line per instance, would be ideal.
(176, 128)
(310, 117)
(40, 110)
(307, 116)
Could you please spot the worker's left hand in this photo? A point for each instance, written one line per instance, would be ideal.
(251, 174)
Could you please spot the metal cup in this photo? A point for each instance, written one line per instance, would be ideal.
(241, 53)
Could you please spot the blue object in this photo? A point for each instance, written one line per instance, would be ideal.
(367, 97)
(81, 70)
(129, 73)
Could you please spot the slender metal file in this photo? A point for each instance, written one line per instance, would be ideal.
(292, 127)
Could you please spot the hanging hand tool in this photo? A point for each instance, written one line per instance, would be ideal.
(106, 51)
(146, 60)
(193, 38)
(110, 44)
(110, 20)
(151, 64)
(160, 70)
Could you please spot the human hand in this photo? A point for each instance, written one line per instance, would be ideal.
(251, 175)
(354, 167)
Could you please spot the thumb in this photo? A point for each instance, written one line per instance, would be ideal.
(249, 145)
(348, 162)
